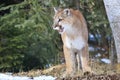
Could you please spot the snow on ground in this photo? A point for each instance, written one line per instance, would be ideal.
(10, 77)
(98, 55)
(105, 60)
(91, 48)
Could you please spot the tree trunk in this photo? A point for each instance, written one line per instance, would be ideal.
(112, 53)
(113, 13)
(75, 4)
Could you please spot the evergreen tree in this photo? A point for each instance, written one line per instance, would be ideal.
(26, 38)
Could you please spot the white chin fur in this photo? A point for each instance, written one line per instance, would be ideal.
(61, 32)
(58, 29)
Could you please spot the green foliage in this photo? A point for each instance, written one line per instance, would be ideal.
(27, 40)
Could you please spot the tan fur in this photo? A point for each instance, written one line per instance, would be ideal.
(75, 39)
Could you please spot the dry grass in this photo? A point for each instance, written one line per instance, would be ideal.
(54, 71)
(58, 70)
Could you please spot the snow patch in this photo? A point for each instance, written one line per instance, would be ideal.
(10, 77)
(91, 48)
(105, 60)
(98, 55)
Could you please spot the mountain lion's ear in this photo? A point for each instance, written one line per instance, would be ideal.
(67, 12)
(57, 9)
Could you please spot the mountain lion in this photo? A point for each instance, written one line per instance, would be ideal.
(73, 29)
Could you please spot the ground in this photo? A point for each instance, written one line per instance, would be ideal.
(101, 71)
(94, 77)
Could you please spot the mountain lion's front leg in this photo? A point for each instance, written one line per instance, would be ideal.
(70, 61)
(84, 56)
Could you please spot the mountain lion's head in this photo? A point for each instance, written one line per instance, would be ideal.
(62, 20)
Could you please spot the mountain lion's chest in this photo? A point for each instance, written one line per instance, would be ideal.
(77, 43)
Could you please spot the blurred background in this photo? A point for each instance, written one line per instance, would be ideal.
(27, 40)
